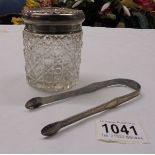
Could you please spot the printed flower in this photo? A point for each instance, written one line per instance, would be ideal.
(45, 3)
(146, 4)
(17, 20)
(32, 4)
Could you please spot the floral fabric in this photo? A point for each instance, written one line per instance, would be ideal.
(107, 13)
(38, 3)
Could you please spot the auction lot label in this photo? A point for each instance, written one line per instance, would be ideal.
(120, 132)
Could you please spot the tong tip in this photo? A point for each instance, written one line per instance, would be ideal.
(34, 103)
(51, 129)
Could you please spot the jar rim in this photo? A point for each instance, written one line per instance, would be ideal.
(53, 15)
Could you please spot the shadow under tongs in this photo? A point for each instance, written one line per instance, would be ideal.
(93, 118)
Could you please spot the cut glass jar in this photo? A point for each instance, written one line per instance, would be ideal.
(52, 47)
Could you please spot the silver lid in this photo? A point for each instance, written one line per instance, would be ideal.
(53, 20)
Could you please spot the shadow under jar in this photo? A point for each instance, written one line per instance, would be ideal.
(52, 47)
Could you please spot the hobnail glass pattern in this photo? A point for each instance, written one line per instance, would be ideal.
(52, 61)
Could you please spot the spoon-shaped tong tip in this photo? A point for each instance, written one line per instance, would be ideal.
(51, 129)
(34, 103)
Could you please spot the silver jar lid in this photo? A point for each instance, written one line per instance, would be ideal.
(53, 20)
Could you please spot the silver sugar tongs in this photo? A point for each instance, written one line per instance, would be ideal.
(51, 129)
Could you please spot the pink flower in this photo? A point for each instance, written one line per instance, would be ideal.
(146, 4)
(45, 3)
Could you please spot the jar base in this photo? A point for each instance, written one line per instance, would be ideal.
(50, 87)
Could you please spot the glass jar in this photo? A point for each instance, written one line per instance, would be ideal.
(52, 47)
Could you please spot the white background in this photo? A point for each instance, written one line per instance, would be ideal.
(107, 53)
